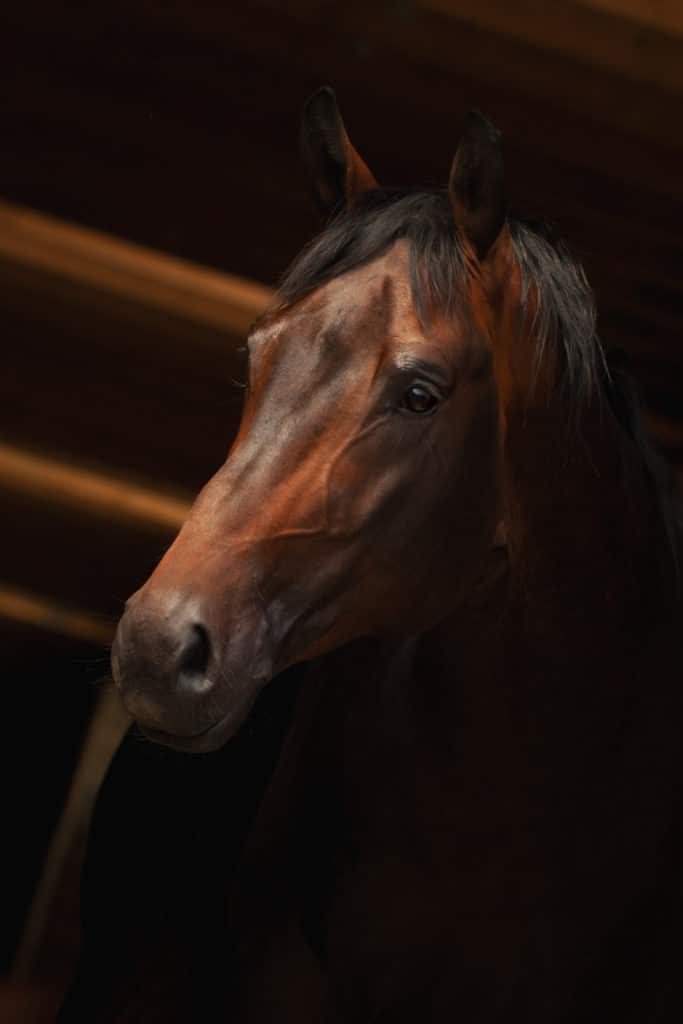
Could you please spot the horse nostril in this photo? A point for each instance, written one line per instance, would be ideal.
(194, 658)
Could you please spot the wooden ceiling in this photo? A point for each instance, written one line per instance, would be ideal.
(175, 127)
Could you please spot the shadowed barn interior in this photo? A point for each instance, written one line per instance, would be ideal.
(151, 193)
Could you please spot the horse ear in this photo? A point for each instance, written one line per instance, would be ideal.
(477, 185)
(339, 174)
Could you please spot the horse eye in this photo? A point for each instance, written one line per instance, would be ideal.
(419, 399)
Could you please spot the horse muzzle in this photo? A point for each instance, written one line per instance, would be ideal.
(183, 683)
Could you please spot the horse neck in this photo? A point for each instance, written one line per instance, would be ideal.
(584, 520)
(554, 696)
(577, 622)
(561, 675)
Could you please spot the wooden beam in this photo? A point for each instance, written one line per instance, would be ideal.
(665, 15)
(154, 281)
(67, 845)
(47, 614)
(603, 35)
(118, 354)
(51, 480)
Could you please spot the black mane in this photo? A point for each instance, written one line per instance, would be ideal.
(566, 310)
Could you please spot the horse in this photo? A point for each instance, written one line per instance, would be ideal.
(421, 634)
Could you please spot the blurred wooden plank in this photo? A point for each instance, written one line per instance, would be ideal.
(666, 15)
(93, 538)
(107, 265)
(104, 338)
(74, 557)
(67, 845)
(603, 38)
(50, 480)
(47, 614)
(147, 397)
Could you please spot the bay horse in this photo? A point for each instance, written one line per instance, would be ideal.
(427, 619)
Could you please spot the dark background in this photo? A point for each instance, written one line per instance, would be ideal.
(175, 127)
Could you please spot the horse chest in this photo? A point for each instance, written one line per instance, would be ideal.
(407, 876)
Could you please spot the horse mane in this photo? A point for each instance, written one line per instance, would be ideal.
(564, 305)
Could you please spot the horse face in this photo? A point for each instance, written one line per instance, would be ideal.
(360, 497)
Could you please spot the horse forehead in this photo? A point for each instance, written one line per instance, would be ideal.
(374, 299)
(376, 296)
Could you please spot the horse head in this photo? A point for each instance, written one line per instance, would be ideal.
(361, 495)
